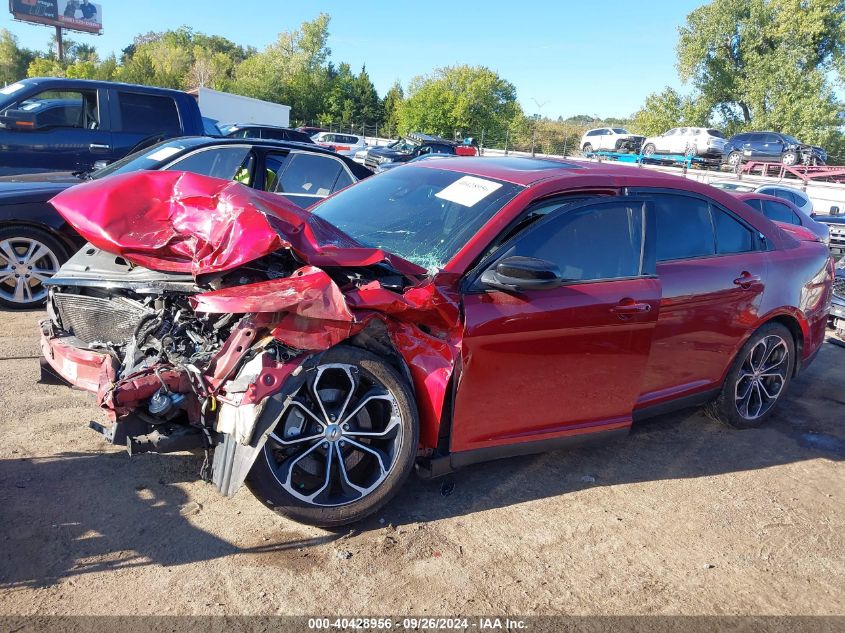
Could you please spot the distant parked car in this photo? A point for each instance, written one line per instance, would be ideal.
(346, 144)
(405, 149)
(310, 130)
(266, 132)
(689, 141)
(414, 161)
(771, 147)
(35, 240)
(790, 194)
(57, 124)
(836, 225)
(785, 212)
(612, 139)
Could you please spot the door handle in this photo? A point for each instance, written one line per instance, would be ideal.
(746, 279)
(99, 146)
(628, 307)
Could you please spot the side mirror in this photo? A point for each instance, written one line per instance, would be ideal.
(20, 121)
(517, 274)
(834, 210)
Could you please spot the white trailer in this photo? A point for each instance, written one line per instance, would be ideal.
(225, 107)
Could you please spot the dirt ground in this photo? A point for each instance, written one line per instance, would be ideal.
(682, 517)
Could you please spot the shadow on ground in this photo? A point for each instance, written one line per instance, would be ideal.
(77, 513)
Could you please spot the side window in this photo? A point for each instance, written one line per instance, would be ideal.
(229, 163)
(62, 108)
(343, 180)
(756, 203)
(305, 175)
(779, 212)
(683, 226)
(273, 135)
(148, 114)
(731, 235)
(589, 243)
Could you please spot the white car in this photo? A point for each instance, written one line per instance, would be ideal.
(611, 139)
(790, 194)
(687, 141)
(345, 144)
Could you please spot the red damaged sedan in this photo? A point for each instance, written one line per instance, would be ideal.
(433, 316)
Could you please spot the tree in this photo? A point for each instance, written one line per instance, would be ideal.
(666, 110)
(767, 63)
(14, 60)
(293, 70)
(391, 105)
(459, 100)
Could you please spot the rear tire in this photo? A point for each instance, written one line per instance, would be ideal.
(28, 257)
(757, 379)
(587, 149)
(649, 150)
(357, 461)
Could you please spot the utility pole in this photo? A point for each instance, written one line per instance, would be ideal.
(60, 46)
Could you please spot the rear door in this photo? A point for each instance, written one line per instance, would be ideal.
(712, 268)
(140, 119)
(542, 364)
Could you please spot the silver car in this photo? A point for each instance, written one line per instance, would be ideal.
(687, 141)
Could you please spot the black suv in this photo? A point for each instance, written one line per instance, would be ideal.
(407, 148)
(267, 132)
(771, 147)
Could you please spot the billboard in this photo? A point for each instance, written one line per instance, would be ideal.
(75, 15)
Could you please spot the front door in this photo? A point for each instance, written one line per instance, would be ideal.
(543, 364)
(70, 132)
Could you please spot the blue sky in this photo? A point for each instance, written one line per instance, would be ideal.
(597, 58)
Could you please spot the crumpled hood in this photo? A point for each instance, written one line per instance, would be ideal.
(181, 222)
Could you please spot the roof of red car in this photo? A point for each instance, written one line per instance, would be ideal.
(526, 171)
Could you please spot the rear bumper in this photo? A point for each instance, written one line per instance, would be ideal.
(82, 368)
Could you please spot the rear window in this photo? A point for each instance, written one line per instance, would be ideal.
(148, 114)
(715, 133)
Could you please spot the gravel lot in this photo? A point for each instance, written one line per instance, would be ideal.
(684, 516)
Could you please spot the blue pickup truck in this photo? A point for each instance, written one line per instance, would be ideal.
(54, 124)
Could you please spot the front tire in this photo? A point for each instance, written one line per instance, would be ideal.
(28, 258)
(789, 158)
(649, 150)
(344, 445)
(735, 159)
(758, 378)
(587, 149)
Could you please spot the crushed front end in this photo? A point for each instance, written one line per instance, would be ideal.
(198, 331)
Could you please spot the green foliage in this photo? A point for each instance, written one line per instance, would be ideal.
(666, 110)
(293, 70)
(391, 106)
(459, 100)
(14, 60)
(767, 64)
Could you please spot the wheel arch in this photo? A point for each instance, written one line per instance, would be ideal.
(793, 322)
(68, 245)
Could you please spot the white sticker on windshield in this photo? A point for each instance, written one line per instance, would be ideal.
(468, 191)
(10, 89)
(164, 152)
